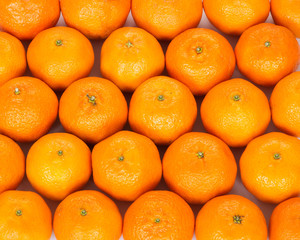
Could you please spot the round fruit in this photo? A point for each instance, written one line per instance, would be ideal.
(97, 18)
(24, 215)
(58, 164)
(159, 215)
(12, 162)
(266, 53)
(198, 167)
(231, 217)
(235, 111)
(129, 56)
(126, 165)
(59, 56)
(285, 104)
(287, 13)
(270, 167)
(166, 19)
(200, 58)
(93, 109)
(87, 215)
(13, 58)
(235, 16)
(28, 109)
(162, 109)
(285, 221)
(25, 19)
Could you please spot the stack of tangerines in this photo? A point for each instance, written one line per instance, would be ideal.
(197, 167)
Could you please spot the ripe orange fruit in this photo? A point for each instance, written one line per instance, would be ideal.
(285, 221)
(24, 215)
(126, 165)
(159, 215)
(198, 167)
(235, 111)
(93, 109)
(95, 19)
(200, 58)
(266, 53)
(25, 19)
(166, 19)
(270, 167)
(235, 16)
(58, 164)
(13, 58)
(87, 215)
(287, 13)
(12, 164)
(285, 104)
(59, 56)
(28, 108)
(231, 217)
(129, 56)
(162, 109)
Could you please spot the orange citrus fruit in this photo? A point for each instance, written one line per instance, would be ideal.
(200, 58)
(159, 215)
(13, 58)
(58, 164)
(198, 167)
(126, 165)
(12, 164)
(235, 111)
(235, 16)
(129, 56)
(59, 56)
(270, 167)
(93, 109)
(162, 109)
(231, 217)
(285, 221)
(25, 19)
(97, 18)
(87, 215)
(28, 108)
(24, 215)
(166, 19)
(266, 53)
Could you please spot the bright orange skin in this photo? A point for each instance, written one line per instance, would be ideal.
(129, 56)
(216, 220)
(35, 221)
(285, 221)
(285, 104)
(267, 178)
(166, 19)
(200, 71)
(267, 65)
(53, 175)
(287, 13)
(235, 16)
(235, 122)
(13, 57)
(138, 171)
(61, 65)
(102, 221)
(26, 116)
(198, 179)
(93, 122)
(25, 19)
(162, 120)
(95, 19)
(12, 162)
(175, 218)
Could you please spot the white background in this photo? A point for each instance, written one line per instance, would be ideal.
(238, 187)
